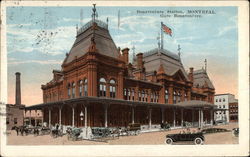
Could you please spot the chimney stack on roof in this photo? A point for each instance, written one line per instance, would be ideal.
(125, 53)
(18, 88)
(191, 74)
(139, 61)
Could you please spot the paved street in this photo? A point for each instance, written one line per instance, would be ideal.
(144, 138)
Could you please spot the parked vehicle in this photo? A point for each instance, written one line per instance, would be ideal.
(235, 132)
(213, 130)
(198, 138)
(74, 133)
(101, 132)
(165, 126)
(133, 129)
(45, 131)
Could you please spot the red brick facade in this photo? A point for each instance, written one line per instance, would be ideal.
(100, 73)
(233, 112)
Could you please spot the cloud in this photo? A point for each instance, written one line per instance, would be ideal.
(47, 62)
(50, 41)
(224, 30)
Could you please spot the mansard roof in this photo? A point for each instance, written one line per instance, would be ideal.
(162, 51)
(104, 42)
(170, 62)
(201, 79)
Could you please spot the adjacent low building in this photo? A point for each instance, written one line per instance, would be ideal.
(233, 111)
(229, 107)
(15, 112)
(33, 118)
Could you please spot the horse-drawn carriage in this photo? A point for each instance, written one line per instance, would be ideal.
(22, 130)
(99, 132)
(74, 133)
(56, 131)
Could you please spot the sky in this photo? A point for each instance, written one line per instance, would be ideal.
(39, 37)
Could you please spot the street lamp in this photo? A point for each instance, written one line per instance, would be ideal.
(81, 116)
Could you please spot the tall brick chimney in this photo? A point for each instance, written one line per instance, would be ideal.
(139, 60)
(125, 55)
(191, 74)
(18, 88)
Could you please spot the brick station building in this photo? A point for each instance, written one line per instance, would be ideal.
(98, 87)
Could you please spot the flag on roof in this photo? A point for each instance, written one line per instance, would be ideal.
(166, 29)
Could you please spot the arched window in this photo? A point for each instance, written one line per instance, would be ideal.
(85, 87)
(146, 96)
(143, 95)
(69, 93)
(129, 94)
(112, 88)
(178, 97)
(166, 96)
(102, 87)
(133, 94)
(73, 89)
(80, 87)
(175, 94)
(156, 97)
(124, 93)
(139, 95)
(185, 96)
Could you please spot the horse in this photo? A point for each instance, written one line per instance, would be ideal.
(16, 129)
(56, 132)
(23, 129)
(36, 131)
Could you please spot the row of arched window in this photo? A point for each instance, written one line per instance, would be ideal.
(103, 88)
(129, 94)
(154, 97)
(176, 96)
(83, 88)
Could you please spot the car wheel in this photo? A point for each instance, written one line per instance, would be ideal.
(169, 141)
(198, 141)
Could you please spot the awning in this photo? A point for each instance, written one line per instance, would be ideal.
(196, 104)
(100, 100)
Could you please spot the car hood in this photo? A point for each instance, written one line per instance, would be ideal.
(170, 135)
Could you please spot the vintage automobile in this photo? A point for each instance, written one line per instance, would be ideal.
(133, 129)
(198, 138)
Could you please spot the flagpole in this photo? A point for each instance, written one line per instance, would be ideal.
(118, 19)
(161, 36)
